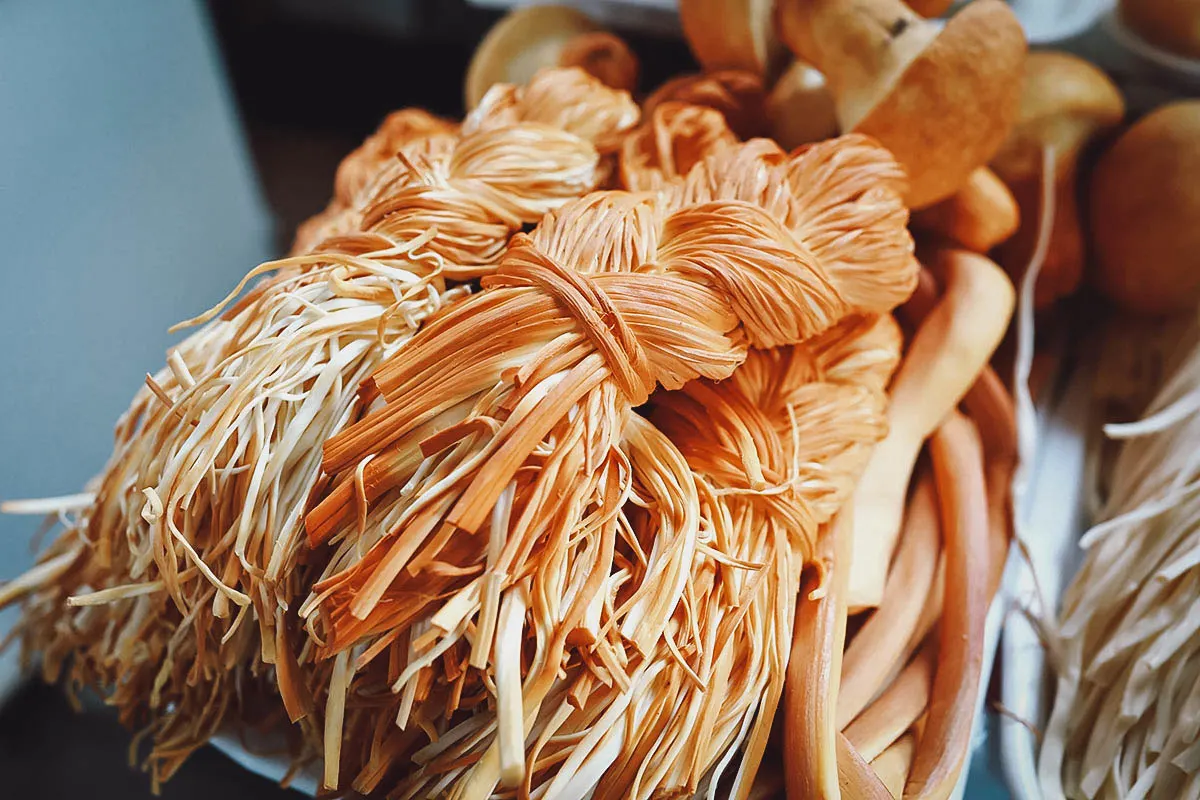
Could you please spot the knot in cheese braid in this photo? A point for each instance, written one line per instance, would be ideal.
(524, 151)
(841, 202)
(476, 189)
(596, 314)
(808, 191)
(506, 456)
(726, 256)
(715, 266)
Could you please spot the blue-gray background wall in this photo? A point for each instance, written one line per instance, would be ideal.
(127, 203)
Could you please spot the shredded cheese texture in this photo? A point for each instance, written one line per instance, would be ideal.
(1126, 647)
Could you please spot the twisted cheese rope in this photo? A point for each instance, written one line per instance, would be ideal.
(364, 163)
(190, 558)
(502, 483)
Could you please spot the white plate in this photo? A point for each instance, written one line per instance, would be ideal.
(272, 767)
(1052, 519)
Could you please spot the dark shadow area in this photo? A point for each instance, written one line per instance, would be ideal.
(50, 752)
(311, 86)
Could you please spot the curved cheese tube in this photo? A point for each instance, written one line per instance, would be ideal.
(950, 349)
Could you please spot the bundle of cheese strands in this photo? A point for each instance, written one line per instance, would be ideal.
(1126, 714)
(173, 589)
(776, 449)
(543, 538)
(765, 480)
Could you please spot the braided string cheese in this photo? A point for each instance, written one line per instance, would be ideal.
(492, 477)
